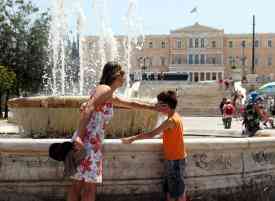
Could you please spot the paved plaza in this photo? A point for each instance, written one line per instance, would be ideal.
(194, 126)
(210, 126)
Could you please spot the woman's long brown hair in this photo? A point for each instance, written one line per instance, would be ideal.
(109, 73)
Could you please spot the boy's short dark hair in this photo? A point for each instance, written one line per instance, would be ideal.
(169, 97)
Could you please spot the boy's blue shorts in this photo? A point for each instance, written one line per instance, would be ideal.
(174, 177)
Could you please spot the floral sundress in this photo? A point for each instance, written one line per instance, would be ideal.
(90, 169)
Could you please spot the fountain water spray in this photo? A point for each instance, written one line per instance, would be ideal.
(81, 22)
(134, 39)
(58, 31)
(94, 51)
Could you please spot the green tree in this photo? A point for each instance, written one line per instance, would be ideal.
(23, 46)
(7, 83)
(37, 53)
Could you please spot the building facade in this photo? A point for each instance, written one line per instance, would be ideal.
(205, 53)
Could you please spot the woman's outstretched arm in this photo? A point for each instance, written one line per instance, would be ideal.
(120, 102)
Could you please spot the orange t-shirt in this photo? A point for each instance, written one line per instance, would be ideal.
(173, 142)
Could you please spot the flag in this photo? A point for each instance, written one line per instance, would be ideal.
(194, 10)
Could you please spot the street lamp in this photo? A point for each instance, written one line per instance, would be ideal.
(243, 58)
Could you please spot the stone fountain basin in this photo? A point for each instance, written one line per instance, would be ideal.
(238, 169)
(58, 116)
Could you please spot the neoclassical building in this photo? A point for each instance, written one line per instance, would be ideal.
(205, 53)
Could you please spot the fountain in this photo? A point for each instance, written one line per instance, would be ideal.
(218, 168)
(57, 115)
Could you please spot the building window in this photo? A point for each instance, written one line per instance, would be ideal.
(162, 44)
(256, 61)
(214, 76)
(151, 44)
(269, 43)
(196, 59)
(243, 44)
(196, 43)
(202, 59)
(190, 59)
(178, 44)
(231, 60)
(190, 43)
(269, 61)
(214, 44)
(256, 44)
(196, 76)
(202, 43)
(230, 44)
(208, 76)
(220, 76)
(162, 61)
(214, 61)
(178, 59)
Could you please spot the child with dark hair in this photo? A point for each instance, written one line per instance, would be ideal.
(173, 146)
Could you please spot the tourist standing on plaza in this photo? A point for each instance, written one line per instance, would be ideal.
(173, 146)
(237, 102)
(90, 134)
(222, 103)
(228, 111)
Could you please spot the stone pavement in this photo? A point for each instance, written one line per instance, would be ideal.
(211, 126)
(8, 129)
(194, 126)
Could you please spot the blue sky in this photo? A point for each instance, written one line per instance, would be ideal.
(160, 16)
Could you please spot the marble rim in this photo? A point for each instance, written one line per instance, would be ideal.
(47, 102)
(53, 102)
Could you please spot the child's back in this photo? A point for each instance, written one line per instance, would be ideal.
(173, 142)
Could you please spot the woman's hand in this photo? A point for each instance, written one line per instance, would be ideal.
(78, 144)
(83, 106)
(127, 140)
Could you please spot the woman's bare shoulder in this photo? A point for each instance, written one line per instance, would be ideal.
(102, 88)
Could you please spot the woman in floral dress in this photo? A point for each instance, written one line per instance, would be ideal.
(94, 116)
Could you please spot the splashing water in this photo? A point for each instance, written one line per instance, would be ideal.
(58, 30)
(94, 51)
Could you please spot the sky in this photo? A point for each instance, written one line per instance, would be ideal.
(161, 16)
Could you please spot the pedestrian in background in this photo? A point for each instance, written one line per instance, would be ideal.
(228, 112)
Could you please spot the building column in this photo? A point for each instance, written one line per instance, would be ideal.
(191, 78)
(200, 76)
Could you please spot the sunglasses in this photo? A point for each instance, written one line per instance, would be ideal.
(120, 73)
(161, 104)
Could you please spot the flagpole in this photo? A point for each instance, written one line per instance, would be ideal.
(197, 15)
(195, 11)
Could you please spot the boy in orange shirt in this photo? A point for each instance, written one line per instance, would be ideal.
(173, 146)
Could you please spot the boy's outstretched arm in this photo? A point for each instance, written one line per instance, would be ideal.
(165, 125)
